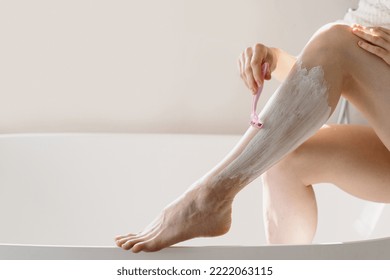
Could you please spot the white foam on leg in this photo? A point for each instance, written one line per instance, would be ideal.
(294, 113)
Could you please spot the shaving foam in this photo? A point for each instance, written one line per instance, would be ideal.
(295, 112)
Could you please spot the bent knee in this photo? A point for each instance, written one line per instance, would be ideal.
(285, 170)
(333, 43)
(306, 163)
(333, 37)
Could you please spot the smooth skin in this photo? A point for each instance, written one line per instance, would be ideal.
(354, 158)
(205, 209)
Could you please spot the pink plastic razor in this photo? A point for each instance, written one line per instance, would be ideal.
(254, 118)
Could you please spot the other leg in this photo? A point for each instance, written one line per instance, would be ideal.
(350, 157)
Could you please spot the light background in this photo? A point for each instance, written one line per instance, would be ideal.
(141, 65)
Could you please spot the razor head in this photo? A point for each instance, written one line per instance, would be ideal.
(256, 124)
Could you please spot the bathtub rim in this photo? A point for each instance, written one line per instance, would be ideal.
(374, 249)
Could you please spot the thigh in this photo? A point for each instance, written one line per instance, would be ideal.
(365, 77)
(351, 157)
(367, 85)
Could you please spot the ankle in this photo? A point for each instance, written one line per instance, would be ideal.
(218, 193)
(225, 185)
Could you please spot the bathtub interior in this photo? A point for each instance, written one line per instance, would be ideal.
(83, 189)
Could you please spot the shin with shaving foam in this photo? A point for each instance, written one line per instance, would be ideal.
(294, 113)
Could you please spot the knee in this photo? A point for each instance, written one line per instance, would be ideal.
(331, 44)
(295, 167)
(308, 164)
(285, 170)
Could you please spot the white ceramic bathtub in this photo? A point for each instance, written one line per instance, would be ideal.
(65, 196)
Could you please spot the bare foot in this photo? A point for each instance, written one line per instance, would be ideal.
(198, 212)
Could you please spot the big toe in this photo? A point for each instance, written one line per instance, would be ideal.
(150, 245)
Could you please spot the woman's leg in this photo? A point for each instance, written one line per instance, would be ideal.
(351, 157)
(294, 113)
(355, 159)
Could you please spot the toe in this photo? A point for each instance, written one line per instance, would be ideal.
(118, 237)
(124, 240)
(149, 245)
(124, 236)
(133, 237)
(138, 247)
(139, 239)
(130, 244)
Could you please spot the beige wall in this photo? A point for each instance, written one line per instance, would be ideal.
(140, 66)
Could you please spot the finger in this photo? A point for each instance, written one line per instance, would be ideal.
(268, 75)
(384, 30)
(260, 52)
(267, 72)
(355, 25)
(378, 31)
(271, 62)
(248, 71)
(378, 51)
(242, 68)
(369, 36)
